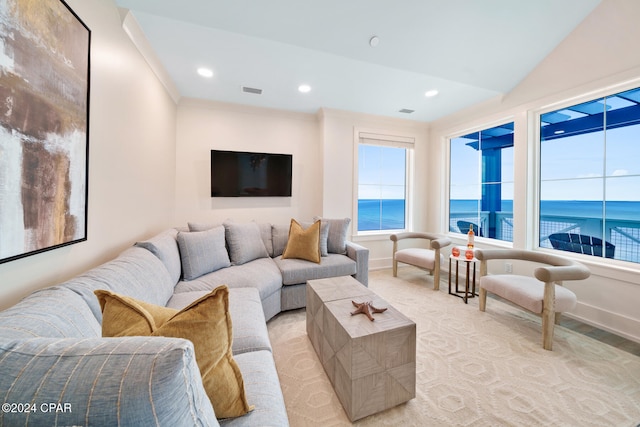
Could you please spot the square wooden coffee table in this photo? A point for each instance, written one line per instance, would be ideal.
(371, 364)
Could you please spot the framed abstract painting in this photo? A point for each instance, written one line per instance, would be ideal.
(44, 127)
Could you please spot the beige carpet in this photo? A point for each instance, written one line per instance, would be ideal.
(473, 368)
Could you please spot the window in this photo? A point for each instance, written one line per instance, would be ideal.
(383, 171)
(589, 177)
(481, 183)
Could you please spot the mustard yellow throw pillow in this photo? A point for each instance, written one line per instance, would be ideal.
(205, 322)
(303, 244)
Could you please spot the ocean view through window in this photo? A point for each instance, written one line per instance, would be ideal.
(481, 183)
(383, 167)
(589, 175)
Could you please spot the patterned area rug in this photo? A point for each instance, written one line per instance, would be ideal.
(473, 368)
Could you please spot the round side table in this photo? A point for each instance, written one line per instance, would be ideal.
(470, 278)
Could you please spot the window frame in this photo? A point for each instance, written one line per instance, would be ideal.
(385, 139)
(485, 125)
(535, 164)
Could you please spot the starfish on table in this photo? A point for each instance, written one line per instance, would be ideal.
(366, 308)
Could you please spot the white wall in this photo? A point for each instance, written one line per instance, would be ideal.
(203, 126)
(339, 193)
(599, 55)
(323, 153)
(131, 159)
(149, 160)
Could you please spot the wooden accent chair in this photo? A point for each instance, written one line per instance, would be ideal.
(427, 259)
(582, 244)
(542, 294)
(463, 226)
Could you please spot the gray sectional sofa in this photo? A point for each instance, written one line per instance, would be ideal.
(57, 369)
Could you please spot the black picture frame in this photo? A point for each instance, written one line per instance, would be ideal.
(45, 52)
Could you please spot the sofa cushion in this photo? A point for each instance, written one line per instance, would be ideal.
(267, 238)
(202, 252)
(201, 226)
(295, 271)
(262, 274)
(206, 323)
(337, 240)
(279, 236)
(324, 235)
(165, 247)
(264, 390)
(303, 244)
(55, 312)
(245, 242)
(137, 381)
(247, 317)
(135, 272)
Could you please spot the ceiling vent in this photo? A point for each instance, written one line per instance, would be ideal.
(406, 111)
(253, 90)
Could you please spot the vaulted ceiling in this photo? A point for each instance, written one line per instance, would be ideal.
(467, 50)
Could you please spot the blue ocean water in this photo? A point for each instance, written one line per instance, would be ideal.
(380, 214)
(622, 210)
(389, 214)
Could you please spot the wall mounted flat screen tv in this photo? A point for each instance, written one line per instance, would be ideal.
(244, 174)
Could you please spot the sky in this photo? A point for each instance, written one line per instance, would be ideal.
(572, 168)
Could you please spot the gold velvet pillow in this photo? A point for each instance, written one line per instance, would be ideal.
(205, 322)
(303, 244)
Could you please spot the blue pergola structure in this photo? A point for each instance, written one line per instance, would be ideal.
(622, 109)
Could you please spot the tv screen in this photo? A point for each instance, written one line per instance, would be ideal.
(243, 174)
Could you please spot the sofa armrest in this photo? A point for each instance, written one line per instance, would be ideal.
(102, 381)
(360, 255)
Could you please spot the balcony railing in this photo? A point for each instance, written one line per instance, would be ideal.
(624, 234)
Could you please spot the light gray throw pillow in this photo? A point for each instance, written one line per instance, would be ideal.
(280, 237)
(165, 247)
(337, 240)
(324, 235)
(199, 226)
(245, 242)
(202, 252)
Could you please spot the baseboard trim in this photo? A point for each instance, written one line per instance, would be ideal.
(614, 323)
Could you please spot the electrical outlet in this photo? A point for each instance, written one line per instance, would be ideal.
(508, 267)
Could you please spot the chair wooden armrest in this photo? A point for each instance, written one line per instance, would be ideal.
(428, 259)
(541, 294)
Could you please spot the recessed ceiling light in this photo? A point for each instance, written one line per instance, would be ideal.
(304, 88)
(374, 41)
(205, 72)
(431, 93)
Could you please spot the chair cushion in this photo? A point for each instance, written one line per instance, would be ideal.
(527, 292)
(206, 323)
(423, 258)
